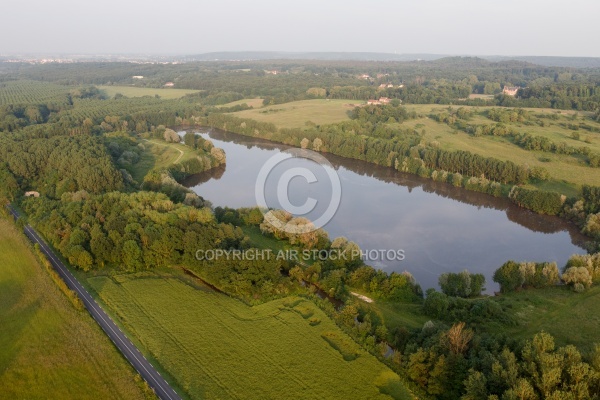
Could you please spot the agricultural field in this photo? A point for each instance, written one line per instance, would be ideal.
(32, 92)
(297, 113)
(217, 347)
(254, 103)
(132, 91)
(48, 349)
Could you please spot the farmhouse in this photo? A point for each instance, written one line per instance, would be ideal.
(137, 77)
(169, 84)
(32, 194)
(511, 90)
(382, 100)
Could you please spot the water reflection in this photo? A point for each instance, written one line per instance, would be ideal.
(440, 227)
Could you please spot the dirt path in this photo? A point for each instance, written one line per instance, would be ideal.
(364, 298)
(163, 144)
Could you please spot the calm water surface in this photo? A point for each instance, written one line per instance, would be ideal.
(439, 227)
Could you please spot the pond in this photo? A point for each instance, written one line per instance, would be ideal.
(434, 226)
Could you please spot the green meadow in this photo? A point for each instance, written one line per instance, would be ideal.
(297, 113)
(566, 315)
(159, 154)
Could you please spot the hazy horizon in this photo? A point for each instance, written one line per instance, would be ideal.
(181, 27)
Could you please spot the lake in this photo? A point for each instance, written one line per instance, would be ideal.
(438, 227)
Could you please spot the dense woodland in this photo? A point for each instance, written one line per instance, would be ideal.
(78, 148)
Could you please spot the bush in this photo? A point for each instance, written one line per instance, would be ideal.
(588, 261)
(436, 304)
(508, 276)
(577, 276)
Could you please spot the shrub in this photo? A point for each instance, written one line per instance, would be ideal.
(508, 276)
(578, 287)
(588, 261)
(577, 276)
(435, 304)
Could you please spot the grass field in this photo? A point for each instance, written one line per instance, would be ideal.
(254, 103)
(567, 172)
(297, 113)
(48, 349)
(400, 315)
(132, 91)
(570, 317)
(159, 154)
(217, 347)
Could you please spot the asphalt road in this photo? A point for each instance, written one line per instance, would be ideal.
(131, 353)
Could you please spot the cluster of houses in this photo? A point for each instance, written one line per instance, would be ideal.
(389, 86)
(510, 90)
(381, 101)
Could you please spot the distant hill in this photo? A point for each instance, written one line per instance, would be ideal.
(328, 56)
(547, 61)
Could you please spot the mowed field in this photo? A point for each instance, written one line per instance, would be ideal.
(216, 347)
(132, 91)
(297, 113)
(48, 349)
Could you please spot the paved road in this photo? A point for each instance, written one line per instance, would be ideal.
(131, 353)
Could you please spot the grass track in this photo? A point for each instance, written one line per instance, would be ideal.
(159, 154)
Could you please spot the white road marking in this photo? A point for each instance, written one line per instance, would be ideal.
(79, 289)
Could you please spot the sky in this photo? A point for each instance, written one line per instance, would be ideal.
(457, 27)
